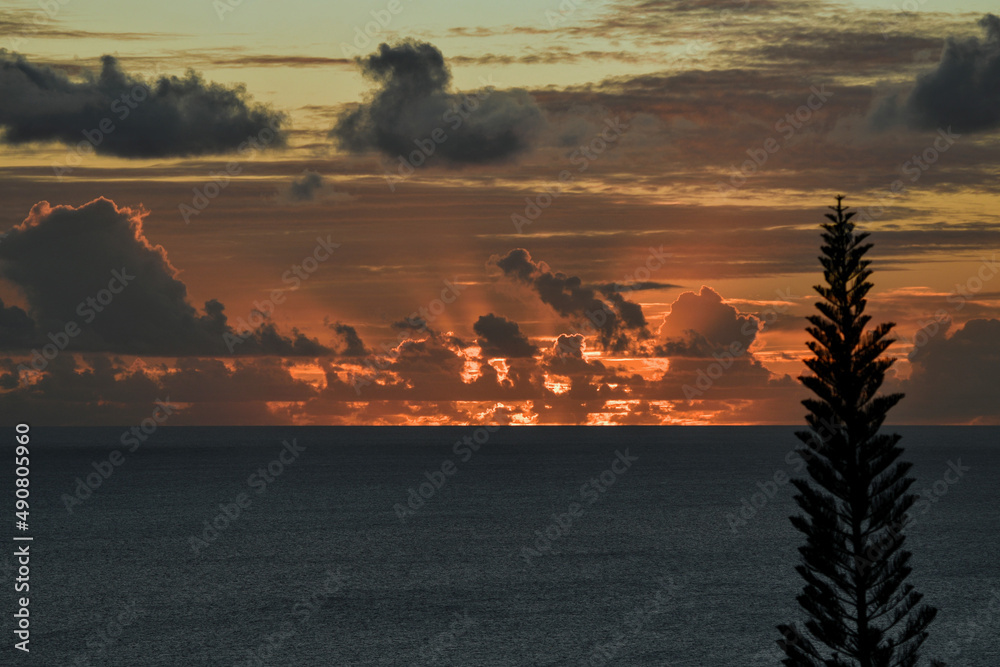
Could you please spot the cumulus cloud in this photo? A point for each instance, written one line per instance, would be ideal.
(568, 346)
(413, 107)
(956, 378)
(962, 92)
(353, 345)
(500, 337)
(700, 325)
(121, 114)
(619, 323)
(566, 358)
(708, 341)
(94, 267)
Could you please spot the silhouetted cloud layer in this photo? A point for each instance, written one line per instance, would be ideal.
(17, 329)
(619, 323)
(500, 337)
(95, 389)
(956, 379)
(120, 114)
(353, 345)
(413, 111)
(93, 266)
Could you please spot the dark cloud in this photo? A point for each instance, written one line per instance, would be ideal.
(955, 379)
(195, 380)
(566, 358)
(412, 324)
(412, 107)
(636, 286)
(551, 55)
(93, 389)
(568, 345)
(94, 267)
(21, 24)
(700, 325)
(353, 345)
(120, 114)
(17, 329)
(305, 187)
(244, 59)
(619, 323)
(500, 337)
(962, 93)
(312, 186)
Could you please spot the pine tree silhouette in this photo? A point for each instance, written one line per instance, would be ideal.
(856, 500)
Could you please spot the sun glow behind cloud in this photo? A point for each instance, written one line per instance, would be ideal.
(693, 122)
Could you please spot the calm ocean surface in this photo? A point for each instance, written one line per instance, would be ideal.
(319, 569)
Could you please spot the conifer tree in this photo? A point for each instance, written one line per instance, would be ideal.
(860, 611)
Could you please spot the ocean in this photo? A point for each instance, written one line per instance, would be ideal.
(461, 546)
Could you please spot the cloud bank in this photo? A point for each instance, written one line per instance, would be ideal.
(956, 379)
(94, 267)
(120, 114)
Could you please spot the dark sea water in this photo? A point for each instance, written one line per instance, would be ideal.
(319, 569)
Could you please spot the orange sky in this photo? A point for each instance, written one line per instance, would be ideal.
(669, 165)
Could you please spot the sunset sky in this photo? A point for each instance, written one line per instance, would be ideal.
(546, 212)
